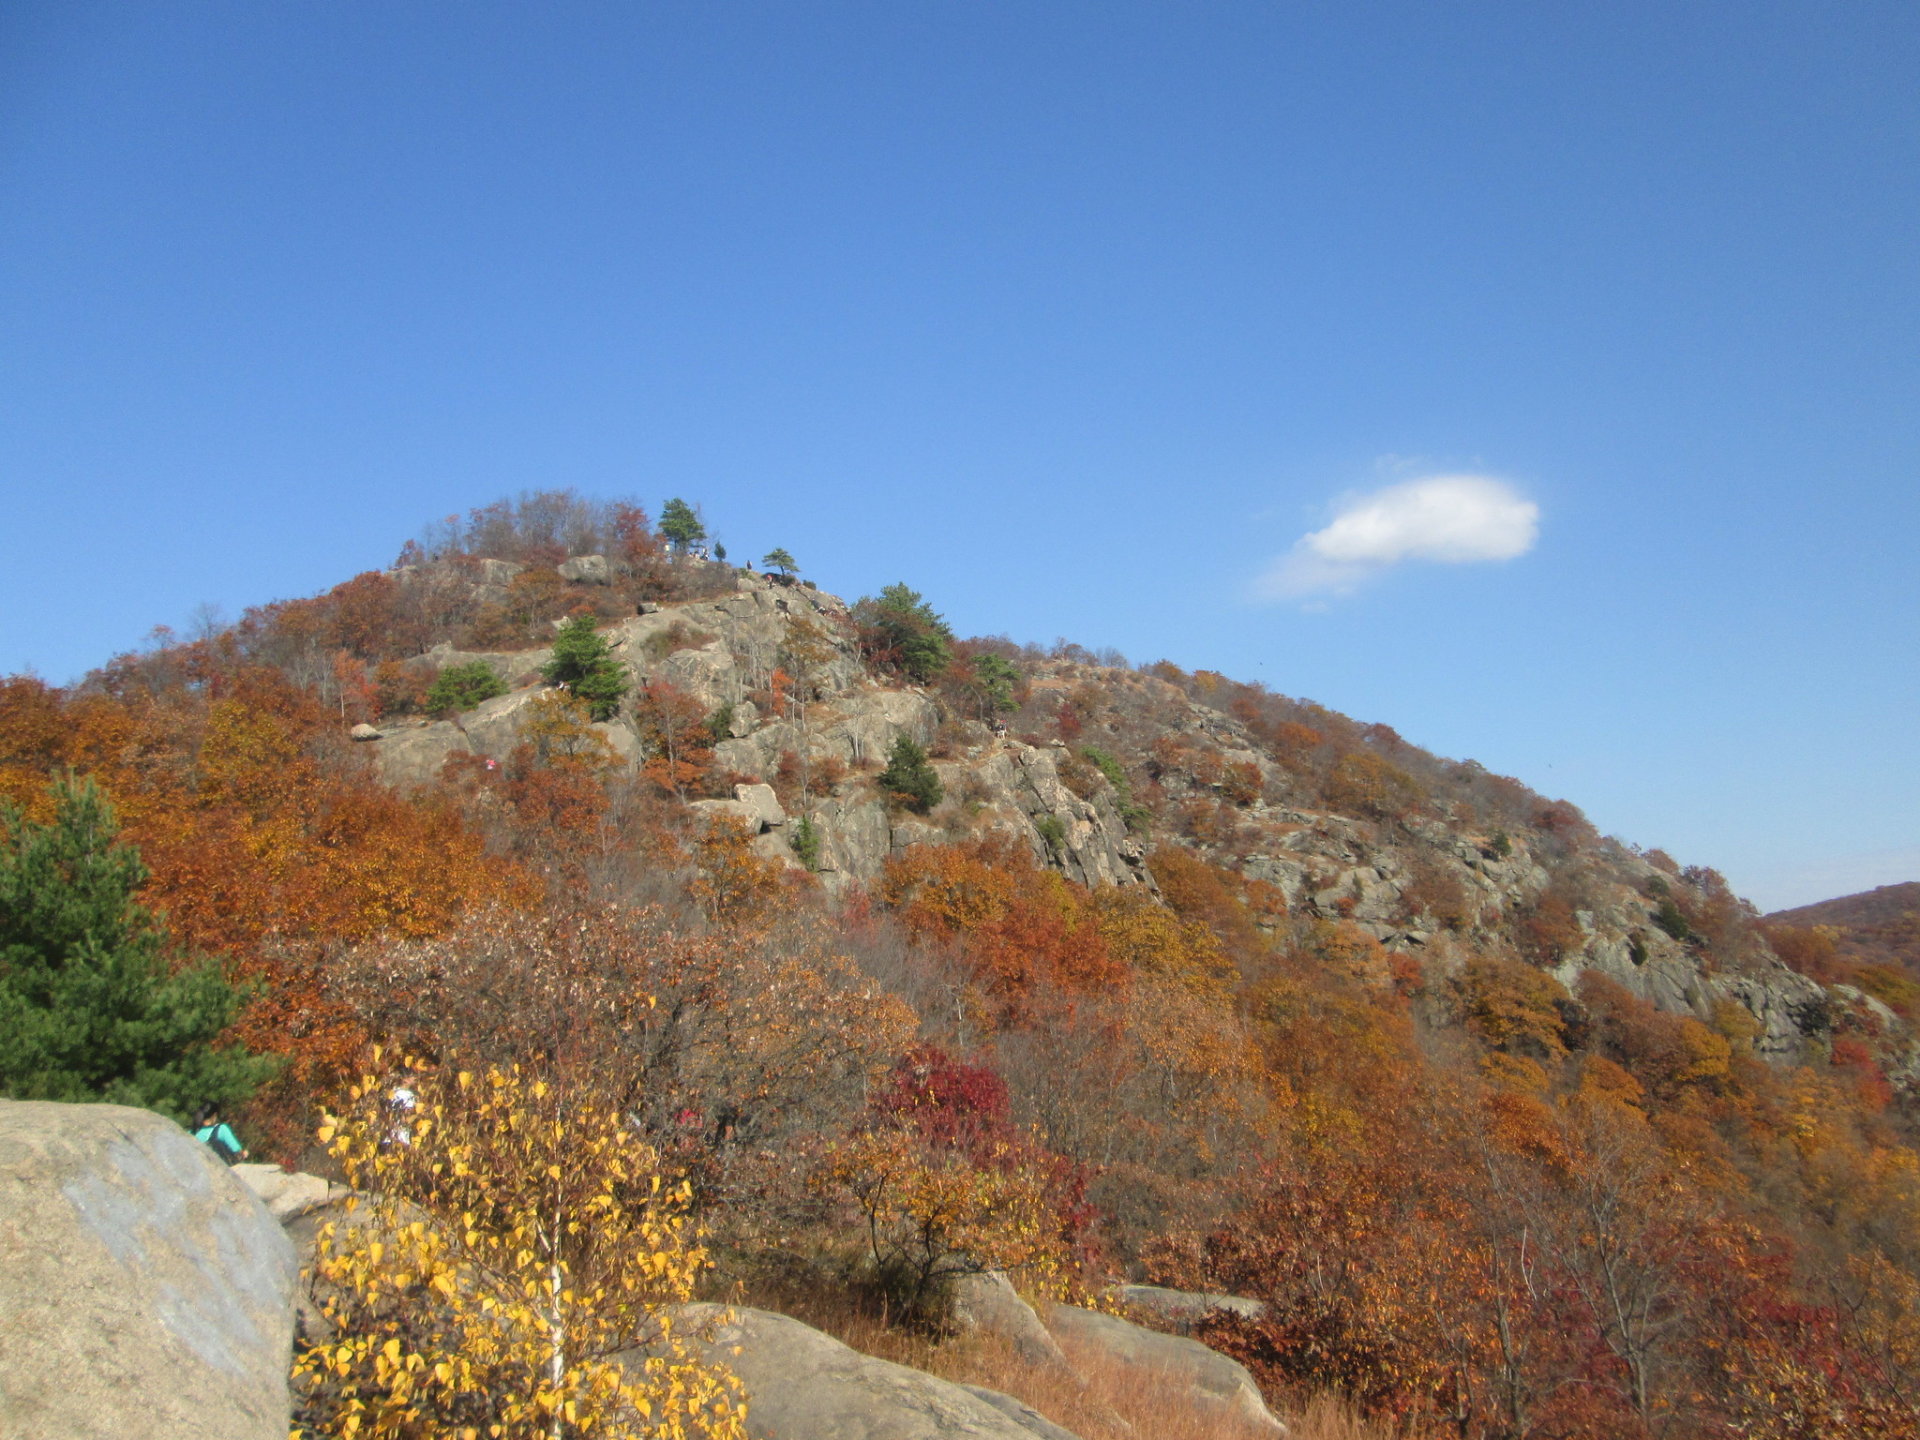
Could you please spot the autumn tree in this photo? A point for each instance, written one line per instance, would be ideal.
(92, 1007)
(673, 725)
(506, 1268)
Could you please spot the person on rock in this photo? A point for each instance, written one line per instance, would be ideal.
(212, 1130)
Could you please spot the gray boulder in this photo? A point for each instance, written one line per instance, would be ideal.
(1181, 1310)
(765, 805)
(989, 1305)
(145, 1292)
(803, 1385)
(288, 1194)
(1215, 1383)
(587, 569)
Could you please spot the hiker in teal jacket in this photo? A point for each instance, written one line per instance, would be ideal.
(210, 1129)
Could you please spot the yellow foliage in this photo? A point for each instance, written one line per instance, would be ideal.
(559, 727)
(509, 1242)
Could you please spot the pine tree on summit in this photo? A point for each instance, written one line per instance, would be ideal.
(584, 663)
(90, 1008)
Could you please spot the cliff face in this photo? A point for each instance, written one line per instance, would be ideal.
(1424, 881)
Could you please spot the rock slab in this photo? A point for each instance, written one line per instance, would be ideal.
(803, 1385)
(145, 1292)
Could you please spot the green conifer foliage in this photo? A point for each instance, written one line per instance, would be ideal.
(90, 1008)
(586, 666)
(680, 524)
(901, 629)
(462, 687)
(910, 776)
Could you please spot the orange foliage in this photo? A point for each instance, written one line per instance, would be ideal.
(1023, 928)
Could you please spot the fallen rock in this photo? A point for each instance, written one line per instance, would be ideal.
(587, 569)
(363, 731)
(990, 1305)
(1215, 1383)
(145, 1292)
(803, 1385)
(288, 1194)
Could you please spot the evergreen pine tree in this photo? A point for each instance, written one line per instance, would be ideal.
(910, 776)
(90, 1008)
(583, 663)
(680, 524)
(901, 629)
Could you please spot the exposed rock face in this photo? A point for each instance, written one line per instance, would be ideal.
(144, 1290)
(803, 1385)
(588, 569)
(1381, 876)
(1214, 1382)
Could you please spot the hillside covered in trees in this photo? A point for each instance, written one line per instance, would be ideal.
(912, 955)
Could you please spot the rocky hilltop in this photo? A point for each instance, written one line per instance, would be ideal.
(955, 993)
(1427, 878)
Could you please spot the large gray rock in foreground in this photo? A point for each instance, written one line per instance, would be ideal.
(803, 1385)
(145, 1293)
(1214, 1382)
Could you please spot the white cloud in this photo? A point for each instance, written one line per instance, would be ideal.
(1445, 519)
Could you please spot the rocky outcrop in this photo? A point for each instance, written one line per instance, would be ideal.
(1213, 1383)
(803, 1385)
(145, 1291)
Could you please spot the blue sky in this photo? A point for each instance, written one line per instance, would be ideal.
(1080, 318)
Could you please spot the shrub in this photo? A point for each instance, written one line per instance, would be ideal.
(463, 687)
(909, 776)
(1053, 832)
(805, 840)
(584, 664)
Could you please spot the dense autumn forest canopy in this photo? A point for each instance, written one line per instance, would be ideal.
(914, 954)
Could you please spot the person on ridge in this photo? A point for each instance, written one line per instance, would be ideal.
(212, 1130)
